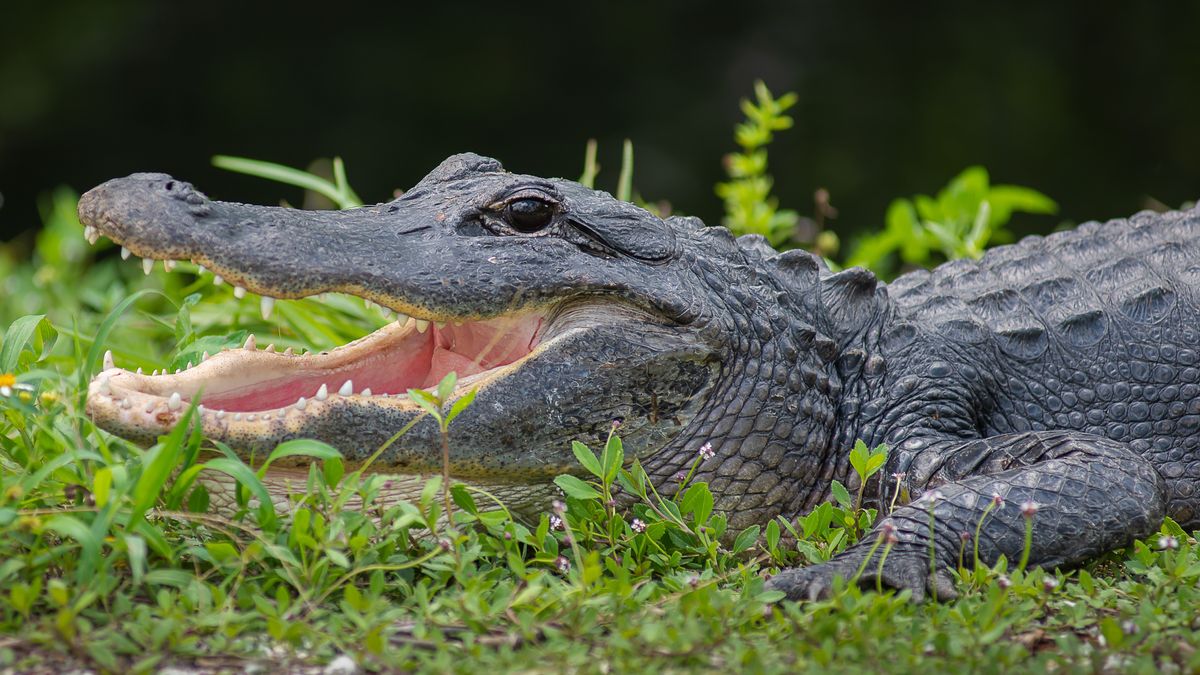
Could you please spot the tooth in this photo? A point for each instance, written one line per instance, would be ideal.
(347, 388)
(200, 408)
(108, 360)
(237, 417)
(175, 401)
(239, 292)
(268, 304)
(458, 323)
(217, 280)
(89, 233)
(270, 348)
(220, 414)
(322, 393)
(168, 265)
(439, 324)
(139, 371)
(401, 318)
(250, 418)
(147, 265)
(188, 366)
(289, 352)
(104, 388)
(250, 343)
(126, 404)
(155, 373)
(201, 269)
(422, 326)
(125, 253)
(282, 413)
(204, 356)
(150, 407)
(178, 371)
(301, 403)
(366, 392)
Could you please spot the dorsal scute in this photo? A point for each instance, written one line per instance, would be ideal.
(798, 268)
(853, 298)
(756, 244)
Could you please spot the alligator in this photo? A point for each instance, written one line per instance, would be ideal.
(1059, 374)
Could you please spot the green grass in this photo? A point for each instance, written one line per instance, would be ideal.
(110, 558)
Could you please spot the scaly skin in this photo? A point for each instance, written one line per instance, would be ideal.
(1060, 370)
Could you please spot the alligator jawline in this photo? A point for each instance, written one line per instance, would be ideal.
(247, 383)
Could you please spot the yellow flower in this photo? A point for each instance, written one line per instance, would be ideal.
(7, 379)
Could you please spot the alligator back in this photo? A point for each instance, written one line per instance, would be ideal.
(1095, 329)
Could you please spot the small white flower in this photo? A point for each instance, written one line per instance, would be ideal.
(638, 525)
(563, 564)
(1168, 543)
(1029, 508)
(556, 523)
(706, 451)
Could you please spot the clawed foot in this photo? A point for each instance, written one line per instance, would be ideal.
(899, 572)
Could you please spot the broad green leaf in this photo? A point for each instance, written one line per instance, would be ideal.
(462, 497)
(575, 487)
(587, 458)
(15, 338)
(614, 457)
(460, 404)
(446, 386)
(427, 402)
(772, 535)
(301, 447)
(841, 494)
(102, 486)
(745, 539)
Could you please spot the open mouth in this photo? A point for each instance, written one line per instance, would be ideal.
(249, 382)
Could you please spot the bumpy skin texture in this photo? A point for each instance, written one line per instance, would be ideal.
(1062, 370)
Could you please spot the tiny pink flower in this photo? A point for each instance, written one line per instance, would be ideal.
(445, 544)
(1167, 543)
(679, 476)
(964, 537)
(899, 476)
(556, 523)
(638, 525)
(559, 507)
(997, 500)
(1029, 508)
(616, 424)
(563, 564)
(1003, 581)
(706, 451)
(1049, 583)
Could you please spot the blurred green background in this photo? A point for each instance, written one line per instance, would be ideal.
(1098, 107)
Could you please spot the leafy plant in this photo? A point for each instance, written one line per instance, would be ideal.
(749, 206)
(959, 222)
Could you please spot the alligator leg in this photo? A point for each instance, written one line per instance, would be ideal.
(1092, 495)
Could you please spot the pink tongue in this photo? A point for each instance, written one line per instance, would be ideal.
(445, 361)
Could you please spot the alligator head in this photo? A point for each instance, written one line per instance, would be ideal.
(565, 308)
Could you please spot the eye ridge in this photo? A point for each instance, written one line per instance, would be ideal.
(529, 214)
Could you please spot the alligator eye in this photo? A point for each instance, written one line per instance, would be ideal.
(529, 215)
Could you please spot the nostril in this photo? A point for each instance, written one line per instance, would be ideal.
(170, 185)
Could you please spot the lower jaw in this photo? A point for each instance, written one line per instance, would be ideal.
(284, 484)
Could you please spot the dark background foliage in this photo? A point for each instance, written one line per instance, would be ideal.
(1097, 107)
